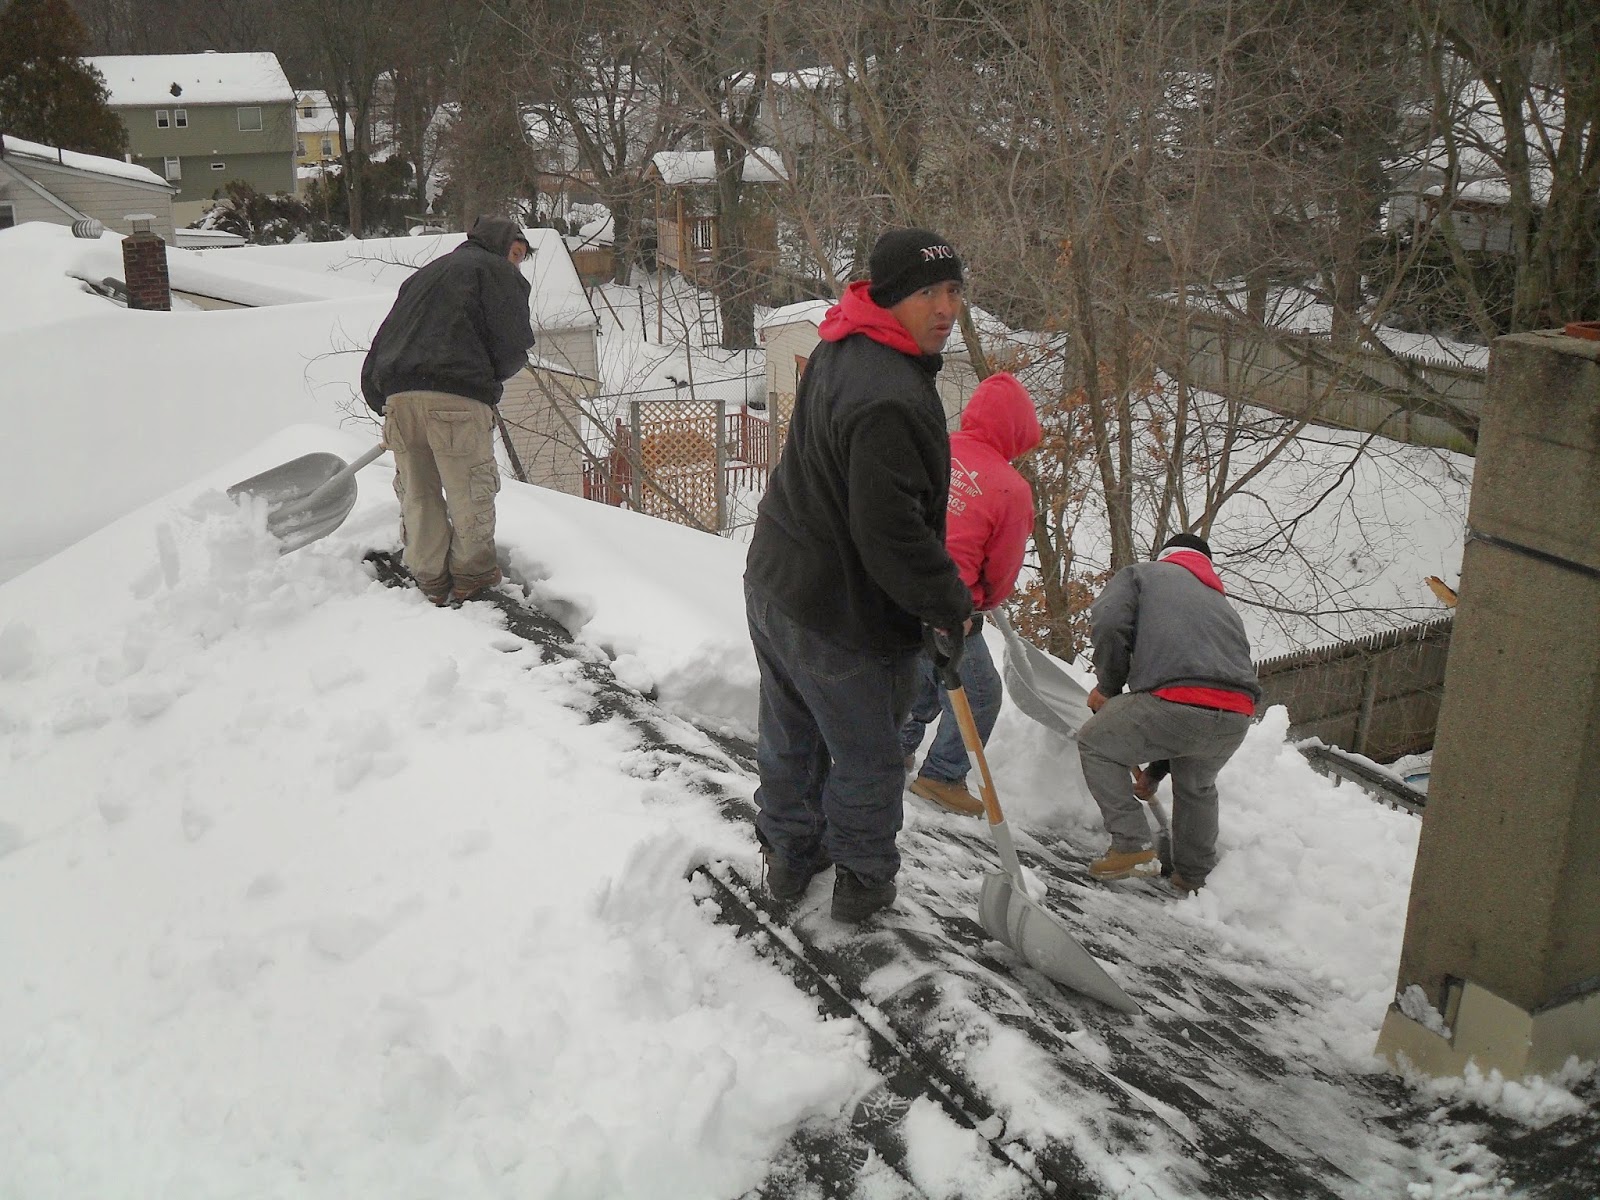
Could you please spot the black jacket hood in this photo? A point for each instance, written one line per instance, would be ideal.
(495, 234)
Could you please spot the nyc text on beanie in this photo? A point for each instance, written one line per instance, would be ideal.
(906, 260)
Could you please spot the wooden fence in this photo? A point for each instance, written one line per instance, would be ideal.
(1376, 696)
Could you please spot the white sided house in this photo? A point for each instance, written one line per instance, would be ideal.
(63, 187)
(541, 413)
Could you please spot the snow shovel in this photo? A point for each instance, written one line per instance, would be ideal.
(1040, 688)
(1005, 910)
(308, 497)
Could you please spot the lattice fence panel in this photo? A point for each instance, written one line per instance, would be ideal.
(681, 452)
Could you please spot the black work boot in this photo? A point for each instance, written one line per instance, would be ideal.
(855, 899)
(783, 881)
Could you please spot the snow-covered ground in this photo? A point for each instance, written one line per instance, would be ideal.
(309, 888)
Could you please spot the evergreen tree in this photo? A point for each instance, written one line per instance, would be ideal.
(48, 94)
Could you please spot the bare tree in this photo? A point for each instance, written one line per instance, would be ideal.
(1524, 116)
(351, 45)
(592, 71)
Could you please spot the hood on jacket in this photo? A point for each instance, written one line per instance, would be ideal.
(495, 234)
(1196, 564)
(1001, 413)
(857, 313)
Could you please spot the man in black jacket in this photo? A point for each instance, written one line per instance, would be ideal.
(846, 566)
(457, 331)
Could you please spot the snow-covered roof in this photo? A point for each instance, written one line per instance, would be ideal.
(558, 301)
(762, 164)
(1484, 191)
(811, 311)
(14, 147)
(148, 80)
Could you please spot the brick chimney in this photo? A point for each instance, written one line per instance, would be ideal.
(144, 265)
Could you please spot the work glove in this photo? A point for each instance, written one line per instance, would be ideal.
(944, 647)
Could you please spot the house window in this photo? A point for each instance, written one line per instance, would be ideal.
(308, 111)
(299, 147)
(180, 118)
(219, 166)
(162, 120)
(327, 147)
(174, 169)
(249, 120)
(700, 233)
(8, 215)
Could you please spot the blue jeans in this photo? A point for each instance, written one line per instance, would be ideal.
(828, 746)
(947, 759)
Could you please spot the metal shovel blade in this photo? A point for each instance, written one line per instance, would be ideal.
(307, 498)
(1039, 687)
(1011, 916)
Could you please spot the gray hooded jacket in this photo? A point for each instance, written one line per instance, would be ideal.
(1156, 625)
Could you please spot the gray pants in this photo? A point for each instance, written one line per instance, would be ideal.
(1136, 728)
(446, 479)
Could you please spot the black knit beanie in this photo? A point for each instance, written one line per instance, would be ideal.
(906, 260)
(1187, 541)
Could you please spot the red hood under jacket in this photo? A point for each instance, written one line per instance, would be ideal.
(856, 313)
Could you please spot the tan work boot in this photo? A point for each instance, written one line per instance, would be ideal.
(1126, 864)
(1182, 886)
(471, 589)
(952, 797)
(436, 590)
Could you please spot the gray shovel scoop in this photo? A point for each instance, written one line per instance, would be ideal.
(1006, 911)
(308, 497)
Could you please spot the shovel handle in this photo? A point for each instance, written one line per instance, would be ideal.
(331, 484)
(974, 745)
(991, 800)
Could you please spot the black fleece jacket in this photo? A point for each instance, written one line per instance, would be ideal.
(459, 325)
(849, 538)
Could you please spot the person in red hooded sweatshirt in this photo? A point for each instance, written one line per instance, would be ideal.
(1174, 681)
(989, 519)
(846, 566)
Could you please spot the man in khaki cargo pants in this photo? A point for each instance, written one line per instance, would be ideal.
(459, 328)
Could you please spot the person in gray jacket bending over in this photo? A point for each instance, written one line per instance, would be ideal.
(458, 329)
(1175, 681)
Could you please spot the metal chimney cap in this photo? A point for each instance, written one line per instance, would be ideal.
(140, 222)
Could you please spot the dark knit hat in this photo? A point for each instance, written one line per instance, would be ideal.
(906, 260)
(1187, 541)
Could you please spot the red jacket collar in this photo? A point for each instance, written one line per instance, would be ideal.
(856, 313)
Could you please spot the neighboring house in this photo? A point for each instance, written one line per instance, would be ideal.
(801, 108)
(316, 128)
(318, 140)
(687, 225)
(1464, 175)
(201, 121)
(42, 183)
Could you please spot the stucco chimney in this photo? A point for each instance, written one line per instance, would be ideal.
(144, 266)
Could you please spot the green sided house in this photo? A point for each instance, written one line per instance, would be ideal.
(200, 121)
